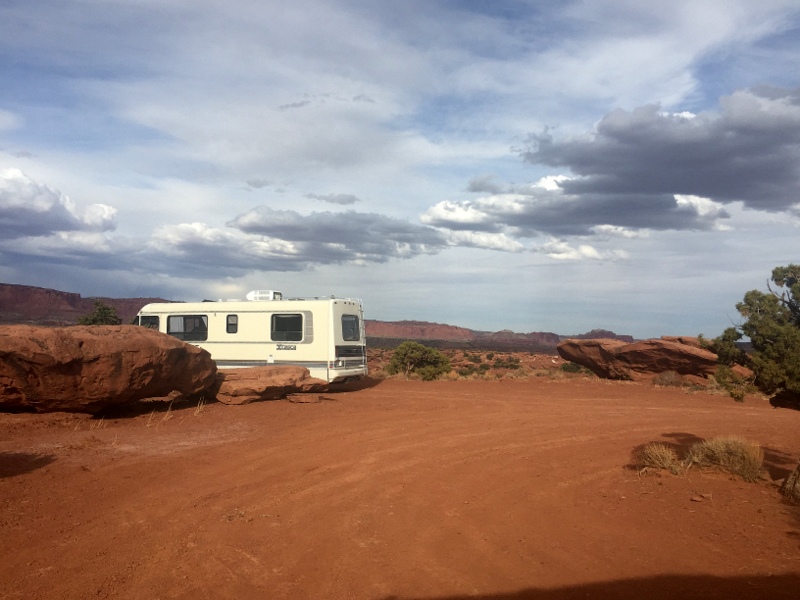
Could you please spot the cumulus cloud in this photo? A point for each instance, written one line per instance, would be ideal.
(467, 216)
(609, 231)
(749, 151)
(486, 241)
(335, 198)
(28, 208)
(67, 246)
(197, 246)
(562, 250)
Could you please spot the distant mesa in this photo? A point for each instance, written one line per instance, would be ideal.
(23, 304)
(28, 305)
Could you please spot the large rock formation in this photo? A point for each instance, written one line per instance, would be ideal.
(242, 386)
(88, 368)
(614, 359)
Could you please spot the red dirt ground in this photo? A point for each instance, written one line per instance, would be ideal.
(456, 489)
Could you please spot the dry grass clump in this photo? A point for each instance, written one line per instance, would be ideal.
(656, 455)
(729, 453)
(668, 379)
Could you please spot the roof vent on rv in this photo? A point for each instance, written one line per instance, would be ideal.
(260, 295)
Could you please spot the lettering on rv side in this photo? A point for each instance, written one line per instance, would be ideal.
(286, 347)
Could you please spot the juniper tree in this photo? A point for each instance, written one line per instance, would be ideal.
(772, 322)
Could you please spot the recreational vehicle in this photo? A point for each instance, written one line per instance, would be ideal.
(325, 335)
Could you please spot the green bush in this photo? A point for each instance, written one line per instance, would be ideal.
(103, 314)
(414, 358)
(571, 367)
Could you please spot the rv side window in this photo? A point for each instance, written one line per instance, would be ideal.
(287, 328)
(149, 322)
(350, 329)
(189, 328)
(232, 324)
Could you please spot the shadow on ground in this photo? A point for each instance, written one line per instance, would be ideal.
(18, 463)
(665, 587)
(178, 403)
(786, 400)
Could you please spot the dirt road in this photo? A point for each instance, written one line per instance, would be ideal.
(464, 489)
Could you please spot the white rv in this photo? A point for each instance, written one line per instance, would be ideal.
(325, 335)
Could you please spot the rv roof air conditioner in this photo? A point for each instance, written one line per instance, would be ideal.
(261, 295)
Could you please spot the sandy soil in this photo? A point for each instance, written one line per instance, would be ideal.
(456, 489)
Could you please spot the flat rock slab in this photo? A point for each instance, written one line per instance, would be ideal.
(614, 359)
(242, 386)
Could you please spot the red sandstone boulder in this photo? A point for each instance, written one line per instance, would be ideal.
(88, 368)
(684, 339)
(613, 359)
(242, 386)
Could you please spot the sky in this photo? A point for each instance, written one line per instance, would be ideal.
(523, 165)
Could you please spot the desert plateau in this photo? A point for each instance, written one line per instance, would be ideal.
(492, 489)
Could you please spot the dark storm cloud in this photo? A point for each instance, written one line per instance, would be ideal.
(578, 215)
(555, 213)
(485, 184)
(326, 237)
(749, 151)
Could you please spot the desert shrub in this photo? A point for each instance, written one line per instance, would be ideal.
(414, 358)
(490, 356)
(736, 387)
(474, 358)
(668, 379)
(731, 454)
(571, 367)
(656, 455)
(512, 362)
(467, 371)
(103, 314)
